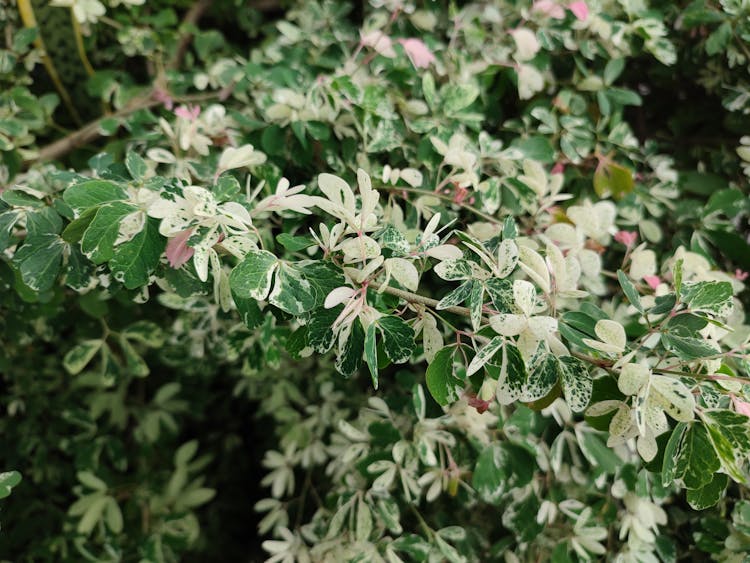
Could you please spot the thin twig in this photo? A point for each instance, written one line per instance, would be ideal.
(474, 210)
(422, 300)
(91, 131)
(193, 15)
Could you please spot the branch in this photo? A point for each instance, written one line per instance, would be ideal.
(193, 15)
(414, 298)
(91, 131)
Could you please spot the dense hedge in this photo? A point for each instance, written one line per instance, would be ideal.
(390, 281)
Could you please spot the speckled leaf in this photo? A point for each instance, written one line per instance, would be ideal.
(457, 296)
(576, 381)
(542, 378)
(485, 355)
(513, 376)
(371, 353)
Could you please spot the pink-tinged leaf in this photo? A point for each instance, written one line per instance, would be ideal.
(627, 238)
(178, 252)
(741, 406)
(190, 113)
(580, 10)
(558, 168)
(163, 96)
(740, 274)
(652, 281)
(549, 8)
(380, 42)
(419, 54)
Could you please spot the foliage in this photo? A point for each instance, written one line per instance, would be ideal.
(450, 282)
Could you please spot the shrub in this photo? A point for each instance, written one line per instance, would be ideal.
(422, 282)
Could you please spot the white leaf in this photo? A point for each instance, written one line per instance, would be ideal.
(404, 272)
(338, 296)
(632, 378)
(508, 324)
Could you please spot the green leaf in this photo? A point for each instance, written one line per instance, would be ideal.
(597, 452)
(490, 476)
(91, 481)
(719, 39)
(630, 291)
(371, 353)
(135, 365)
(458, 96)
(113, 516)
(135, 260)
(80, 355)
(613, 179)
(442, 383)
(672, 453)
(291, 291)
(708, 496)
(320, 336)
(251, 278)
(196, 497)
(688, 348)
(8, 480)
(350, 357)
(457, 296)
(39, 261)
(249, 311)
(135, 165)
(74, 231)
(612, 70)
(294, 244)
(696, 460)
(93, 193)
(99, 239)
(92, 515)
(398, 338)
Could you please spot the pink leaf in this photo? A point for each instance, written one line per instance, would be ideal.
(190, 113)
(558, 168)
(627, 238)
(740, 274)
(741, 406)
(419, 54)
(549, 8)
(652, 281)
(580, 10)
(163, 96)
(178, 252)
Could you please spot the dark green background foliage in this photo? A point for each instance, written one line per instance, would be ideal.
(143, 414)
